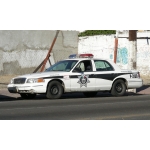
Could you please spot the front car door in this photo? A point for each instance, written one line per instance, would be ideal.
(82, 78)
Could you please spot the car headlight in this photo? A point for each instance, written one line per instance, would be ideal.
(35, 80)
(12, 81)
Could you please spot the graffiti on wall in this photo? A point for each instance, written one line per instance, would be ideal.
(143, 52)
(143, 61)
(111, 56)
(122, 56)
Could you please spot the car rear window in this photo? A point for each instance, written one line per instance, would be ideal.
(102, 65)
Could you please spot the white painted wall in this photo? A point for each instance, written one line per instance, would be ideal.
(102, 46)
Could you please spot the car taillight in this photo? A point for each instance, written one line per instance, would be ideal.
(139, 74)
(135, 75)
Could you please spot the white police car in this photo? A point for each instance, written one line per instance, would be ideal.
(77, 74)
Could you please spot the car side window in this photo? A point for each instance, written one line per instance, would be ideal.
(102, 65)
(80, 67)
(84, 66)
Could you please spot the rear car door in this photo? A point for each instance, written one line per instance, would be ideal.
(105, 74)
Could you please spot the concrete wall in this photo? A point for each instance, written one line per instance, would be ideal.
(22, 51)
(103, 47)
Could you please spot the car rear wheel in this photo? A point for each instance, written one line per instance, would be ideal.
(54, 90)
(90, 94)
(27, 95)
(118, 88)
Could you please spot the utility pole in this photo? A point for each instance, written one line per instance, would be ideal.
(116, 47)
(132, 53)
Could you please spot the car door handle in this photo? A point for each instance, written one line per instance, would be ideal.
(92, 75)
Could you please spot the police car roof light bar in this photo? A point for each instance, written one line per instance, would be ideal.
(86, 56)
(73, 56)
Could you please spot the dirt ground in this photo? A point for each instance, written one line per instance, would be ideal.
(5, 80)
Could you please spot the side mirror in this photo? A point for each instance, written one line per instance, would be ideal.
(77, 70)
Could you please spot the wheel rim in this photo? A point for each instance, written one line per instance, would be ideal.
(119, 88)
(54, 90)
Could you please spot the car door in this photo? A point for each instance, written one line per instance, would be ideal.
(82, 77)
(105, 74)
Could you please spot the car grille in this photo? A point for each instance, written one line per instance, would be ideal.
(19, 81)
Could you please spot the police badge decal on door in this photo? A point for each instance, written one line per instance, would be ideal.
(83, 80)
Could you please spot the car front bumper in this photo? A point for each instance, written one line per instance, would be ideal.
(35, 88)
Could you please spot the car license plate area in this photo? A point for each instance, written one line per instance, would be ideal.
(26, 91)
(12, 89)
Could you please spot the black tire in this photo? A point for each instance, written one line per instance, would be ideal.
(27, 95)
(54, 90)
(90, 94)
(118, 88)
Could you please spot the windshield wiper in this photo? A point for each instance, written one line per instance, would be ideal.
(57, 70)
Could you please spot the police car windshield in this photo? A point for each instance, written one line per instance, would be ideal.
(65, 65)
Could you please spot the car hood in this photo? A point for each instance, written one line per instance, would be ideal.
(43, 74)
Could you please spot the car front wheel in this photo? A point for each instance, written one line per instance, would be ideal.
(118, 88)
(54, 90)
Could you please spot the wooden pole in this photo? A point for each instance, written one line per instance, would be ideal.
(116, 47)
(48, 54)
(132, 54)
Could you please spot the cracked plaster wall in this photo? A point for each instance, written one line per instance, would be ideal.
(22, 51)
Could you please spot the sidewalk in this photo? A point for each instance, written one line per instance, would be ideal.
(5, 95)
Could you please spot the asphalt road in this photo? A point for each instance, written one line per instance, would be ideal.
(77, 107)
